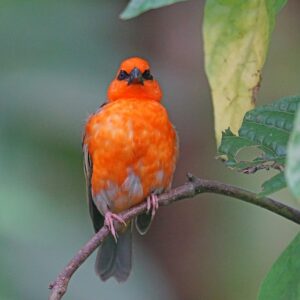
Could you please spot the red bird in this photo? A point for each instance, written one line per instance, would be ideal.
(130, 150)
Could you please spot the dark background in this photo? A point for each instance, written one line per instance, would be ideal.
(57, 58)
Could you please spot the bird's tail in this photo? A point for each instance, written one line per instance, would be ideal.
(114, 258)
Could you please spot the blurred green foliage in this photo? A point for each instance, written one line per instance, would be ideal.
(293, 158)
(137, 7)
(282, 281)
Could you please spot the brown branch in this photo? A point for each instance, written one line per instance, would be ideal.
(193, 187)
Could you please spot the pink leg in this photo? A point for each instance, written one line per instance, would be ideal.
(152, 204)
(109, 222)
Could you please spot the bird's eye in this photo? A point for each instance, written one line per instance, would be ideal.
(147, 75)
(123, 75)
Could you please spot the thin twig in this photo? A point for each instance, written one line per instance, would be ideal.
(193, 187)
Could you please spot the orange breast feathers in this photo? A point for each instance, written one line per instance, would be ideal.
(133, 149)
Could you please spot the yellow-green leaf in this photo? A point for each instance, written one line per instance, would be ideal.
(236, 38)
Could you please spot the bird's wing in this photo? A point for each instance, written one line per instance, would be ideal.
(113, 259)
(96, 216)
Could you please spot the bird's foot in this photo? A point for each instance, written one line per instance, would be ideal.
(109, 222)
(152, 204)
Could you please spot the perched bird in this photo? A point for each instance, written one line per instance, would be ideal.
(130, 151)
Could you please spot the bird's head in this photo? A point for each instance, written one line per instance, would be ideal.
(134, 80)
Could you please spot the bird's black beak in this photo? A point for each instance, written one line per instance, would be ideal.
(135, 76)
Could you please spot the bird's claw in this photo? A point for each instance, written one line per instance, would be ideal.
(152, 204)
(109, 222)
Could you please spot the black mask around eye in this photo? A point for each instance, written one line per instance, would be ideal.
(123, 75)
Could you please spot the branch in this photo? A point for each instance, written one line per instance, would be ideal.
(190, 189)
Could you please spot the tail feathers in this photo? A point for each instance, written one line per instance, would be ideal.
(114, 258)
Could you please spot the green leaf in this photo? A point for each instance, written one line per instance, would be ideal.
(267, 128)
(231, 145)
(283, 280)
(274, 184)
(293, 159)
(137, 7)
(236, 38)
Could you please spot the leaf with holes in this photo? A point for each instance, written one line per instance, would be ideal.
(137, 7)
(268, 129)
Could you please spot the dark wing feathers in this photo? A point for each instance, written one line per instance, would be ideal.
(113, 259)
(97, 218)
